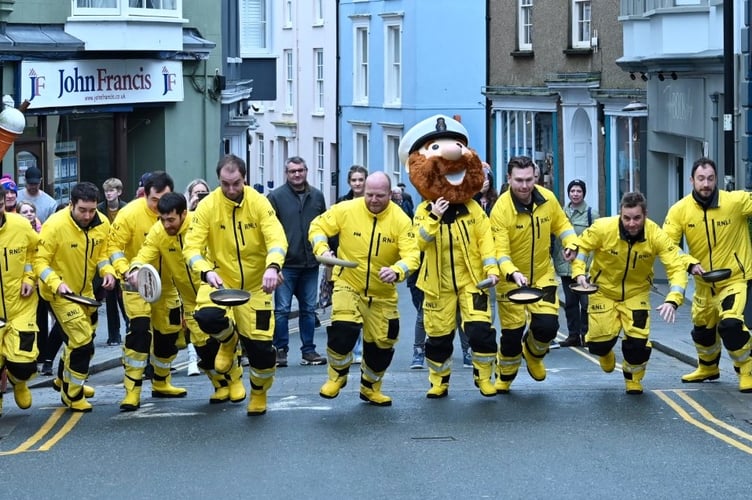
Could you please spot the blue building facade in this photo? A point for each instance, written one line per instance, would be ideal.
(400, 62)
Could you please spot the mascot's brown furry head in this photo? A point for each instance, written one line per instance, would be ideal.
(440, 164)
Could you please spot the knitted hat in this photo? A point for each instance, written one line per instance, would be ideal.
(8, 184)
(577, 182)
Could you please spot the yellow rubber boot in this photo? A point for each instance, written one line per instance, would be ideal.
(338, 367)
(438, 376)
(506, 371)
(608, 361)
(743, 366)
(89, 391)
(236, 386)
(533, 352)
(370, 387)
(707, 365)
(261, 382)
(134, 363)
(161, 384)
(72, 391)
(633, 375)
(226, 353)
(483, 369)
(371, 393)
(21, 392)
(744, 371)
(221, 387)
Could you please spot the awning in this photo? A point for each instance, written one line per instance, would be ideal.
(26, 38)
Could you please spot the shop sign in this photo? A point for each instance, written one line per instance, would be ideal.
(55, 84)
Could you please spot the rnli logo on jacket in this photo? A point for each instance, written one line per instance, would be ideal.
(74, 245)
(644, 256)
(519, 226)
(16, 251)
(543, 220)
(387, 239)
(249, 225)
(597, 307)
(723, 223)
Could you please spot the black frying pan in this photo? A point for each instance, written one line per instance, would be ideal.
(716, 275)
(80, 299)
(230, 297)
(525, 295)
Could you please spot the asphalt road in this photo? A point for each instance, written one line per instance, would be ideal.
(575, 435)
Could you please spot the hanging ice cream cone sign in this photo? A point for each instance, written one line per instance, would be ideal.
(12, 124)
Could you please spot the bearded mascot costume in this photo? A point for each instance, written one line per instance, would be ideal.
(454, 236)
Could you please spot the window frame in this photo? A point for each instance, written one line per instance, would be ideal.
(248, 49)
(318, 12)
(361, 145)
(393, 63)
(288, 61)
(525, 25)
(319, 153)
(319, 87)
(361, 46)
(260, 158)
(580, 41)
(392, 138)
(122, 9)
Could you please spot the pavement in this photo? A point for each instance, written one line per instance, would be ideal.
(671, 339)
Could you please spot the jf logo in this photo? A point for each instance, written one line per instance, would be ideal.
(37, 84)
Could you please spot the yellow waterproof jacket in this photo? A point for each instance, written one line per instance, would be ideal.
(166, 253)
(717, 234)
(128, 233)
(71, 255)
(458, 249)
(623, 266)
(372, 240)
(236, 240)
(523, 236)
(18, 243)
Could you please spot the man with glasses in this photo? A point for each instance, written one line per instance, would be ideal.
(296, 204)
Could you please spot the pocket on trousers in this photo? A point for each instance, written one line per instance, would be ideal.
(263, 320)
(480, 302)
(640, 318)
(26, 341)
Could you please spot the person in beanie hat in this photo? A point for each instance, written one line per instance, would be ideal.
(581, 216)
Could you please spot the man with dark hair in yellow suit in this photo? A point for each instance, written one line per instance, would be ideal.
(18, 346)
(72, 249)
(164, 244)
(715, 226)
(163, 318)
(235, 239)
(624, 249)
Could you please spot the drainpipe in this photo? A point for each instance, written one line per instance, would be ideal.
(714, 97)
(729, 159)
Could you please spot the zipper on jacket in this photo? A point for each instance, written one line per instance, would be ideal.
(707, 237)
(451, 258)
(531, 281)
(187, 269)
(626, 271)
(378, 244)
(237, 249)
(86, 254)
(368, 261)
(5, 255)
(739, 262)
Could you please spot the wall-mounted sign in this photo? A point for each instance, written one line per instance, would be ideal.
(54, 84)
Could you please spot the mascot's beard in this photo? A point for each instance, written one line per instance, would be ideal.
(428, 175)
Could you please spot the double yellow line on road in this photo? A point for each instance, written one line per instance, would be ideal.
(43, 431)
(729, 431)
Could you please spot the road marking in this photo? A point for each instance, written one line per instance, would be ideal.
(291, 403)
(704, 413)
(44, 430)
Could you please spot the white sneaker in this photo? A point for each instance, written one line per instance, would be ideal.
(193, 369)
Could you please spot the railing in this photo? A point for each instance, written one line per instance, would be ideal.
(640, 7)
